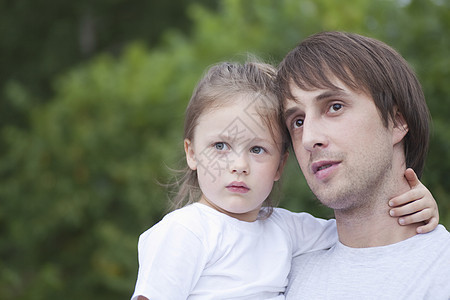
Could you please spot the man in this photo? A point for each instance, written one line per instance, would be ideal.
(357, 117)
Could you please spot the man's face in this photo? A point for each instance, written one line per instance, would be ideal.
(341, 144)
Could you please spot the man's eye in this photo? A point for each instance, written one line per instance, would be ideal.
(220, 146)
(335, 107)
(257, 150)
(298, 123)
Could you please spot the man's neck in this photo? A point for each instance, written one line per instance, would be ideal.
(364, 227)
(373, 231)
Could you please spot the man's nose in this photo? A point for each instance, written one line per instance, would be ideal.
(314, 134)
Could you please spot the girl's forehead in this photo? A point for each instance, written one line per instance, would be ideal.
(247, 109)
(241, 120)
(251, 103)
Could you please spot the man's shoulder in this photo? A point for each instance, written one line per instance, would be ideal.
(306, 263)
(438, 238)
(442, 231)
(306, 268)
(438, 241)
(416, 268)
(313, 257)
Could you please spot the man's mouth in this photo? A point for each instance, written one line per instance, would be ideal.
(322, 165)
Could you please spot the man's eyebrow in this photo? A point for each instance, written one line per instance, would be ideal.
(331, 94)
(323, 96)
(289, 112)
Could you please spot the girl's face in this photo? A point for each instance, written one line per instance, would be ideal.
(236, 158)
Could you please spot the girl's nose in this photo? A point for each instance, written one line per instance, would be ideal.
(239, 164)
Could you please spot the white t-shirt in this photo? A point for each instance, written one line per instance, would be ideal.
(197, 252)
(416, 268)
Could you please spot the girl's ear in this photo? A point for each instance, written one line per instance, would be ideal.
(281, 166)
(400, 127)
(190, 155)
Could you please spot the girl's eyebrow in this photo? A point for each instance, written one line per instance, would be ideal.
(261, 140)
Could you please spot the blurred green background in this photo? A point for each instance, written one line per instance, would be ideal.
(92, 102)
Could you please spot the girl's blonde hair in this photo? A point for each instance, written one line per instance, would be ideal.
(223, 83)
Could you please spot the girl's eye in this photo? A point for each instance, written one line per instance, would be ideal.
(335, 107)
(298, 123)
(220, 146)
(257, 150)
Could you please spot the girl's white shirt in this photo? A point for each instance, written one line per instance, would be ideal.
(197, 252)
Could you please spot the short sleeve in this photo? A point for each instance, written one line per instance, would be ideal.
(171, 259)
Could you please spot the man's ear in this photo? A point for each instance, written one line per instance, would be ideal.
(281, 166)
(400, 127)
(190, 155)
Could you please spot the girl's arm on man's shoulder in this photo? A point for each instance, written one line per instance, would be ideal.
(307, 232)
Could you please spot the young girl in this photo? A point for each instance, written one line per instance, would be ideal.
(227, 242)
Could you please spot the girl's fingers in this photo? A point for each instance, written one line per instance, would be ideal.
(415, 206)
(411, 176)
(408, 209)
(429, 226)
(407, 197)
(421, 216)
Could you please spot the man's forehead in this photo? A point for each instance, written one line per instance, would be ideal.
(299, 95)
(292, 107)
(289, 104)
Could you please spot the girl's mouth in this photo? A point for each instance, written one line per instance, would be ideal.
(238, 187)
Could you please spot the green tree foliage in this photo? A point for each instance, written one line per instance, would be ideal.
(79, 184)
(42, 38)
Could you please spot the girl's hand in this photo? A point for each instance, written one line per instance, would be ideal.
(416, 205)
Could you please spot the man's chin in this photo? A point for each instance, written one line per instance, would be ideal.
(329, 197)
